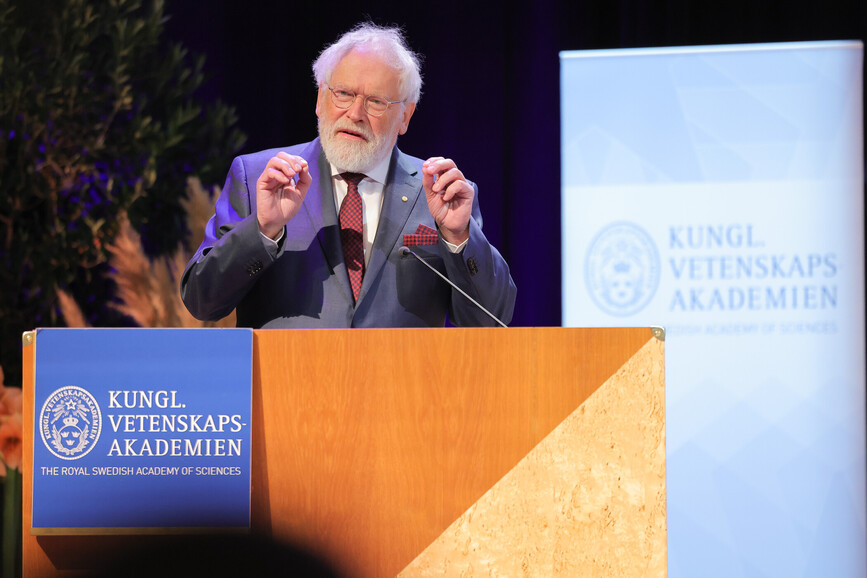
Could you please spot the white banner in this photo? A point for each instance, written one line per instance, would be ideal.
(718, 192)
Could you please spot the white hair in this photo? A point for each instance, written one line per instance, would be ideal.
(387, 42)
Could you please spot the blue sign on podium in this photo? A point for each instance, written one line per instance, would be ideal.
(141, 430)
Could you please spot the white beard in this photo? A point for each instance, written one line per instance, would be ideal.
(352, 156)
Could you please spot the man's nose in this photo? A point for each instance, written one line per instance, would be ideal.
(356, 110)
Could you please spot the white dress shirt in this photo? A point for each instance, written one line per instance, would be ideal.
(370, 190)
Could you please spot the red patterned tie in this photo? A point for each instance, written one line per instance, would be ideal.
(350, 232)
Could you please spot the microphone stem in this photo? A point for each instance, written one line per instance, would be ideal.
(406, 250)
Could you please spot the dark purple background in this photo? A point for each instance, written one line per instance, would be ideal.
(491, 94)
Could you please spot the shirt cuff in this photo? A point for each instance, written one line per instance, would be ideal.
(272, 245)
(456, 248)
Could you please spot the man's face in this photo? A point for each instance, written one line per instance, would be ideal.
(353, 139)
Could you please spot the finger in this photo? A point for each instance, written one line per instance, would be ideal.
(427, 181)
(304, 178)
(460, 189)
(291, 159)
(290, 165)
(273, 178)
(286, 156)
(433, 165)
(446, 178)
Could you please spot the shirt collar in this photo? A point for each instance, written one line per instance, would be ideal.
(378, 173)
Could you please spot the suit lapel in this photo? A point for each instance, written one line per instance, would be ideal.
(320, 209)
(402, 181)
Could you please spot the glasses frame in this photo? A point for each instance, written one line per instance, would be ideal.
(364, 101)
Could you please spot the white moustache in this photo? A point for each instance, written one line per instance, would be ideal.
(351, 127)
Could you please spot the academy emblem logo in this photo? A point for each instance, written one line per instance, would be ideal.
(622, 269)
(70, 422)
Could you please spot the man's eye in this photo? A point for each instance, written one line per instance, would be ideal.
(377, 101)
(343, 94)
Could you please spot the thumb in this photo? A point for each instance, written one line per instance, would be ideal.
(427, 182)
(304, 177)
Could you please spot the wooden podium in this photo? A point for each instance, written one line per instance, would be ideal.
(445, 452)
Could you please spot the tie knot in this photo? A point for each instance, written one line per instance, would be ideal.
(352, 179)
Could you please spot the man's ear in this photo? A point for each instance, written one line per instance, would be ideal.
(319, 99)
(407, 114)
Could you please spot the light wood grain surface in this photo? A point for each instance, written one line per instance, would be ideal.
(375, 441)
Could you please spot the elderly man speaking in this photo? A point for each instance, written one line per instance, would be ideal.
(313, 235)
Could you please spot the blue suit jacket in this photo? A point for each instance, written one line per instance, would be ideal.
(306, 285)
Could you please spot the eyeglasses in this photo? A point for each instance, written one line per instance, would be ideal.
(374, 105)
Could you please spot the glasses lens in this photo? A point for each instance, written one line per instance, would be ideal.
(342, 98)
(375, 105)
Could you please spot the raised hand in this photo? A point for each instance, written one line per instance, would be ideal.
(280, 191)
(449, 198)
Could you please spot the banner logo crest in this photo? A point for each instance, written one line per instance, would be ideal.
(70, 422)
(622, 269)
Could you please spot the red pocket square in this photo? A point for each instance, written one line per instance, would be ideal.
(423, 235)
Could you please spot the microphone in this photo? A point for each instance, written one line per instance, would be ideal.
(407, 251)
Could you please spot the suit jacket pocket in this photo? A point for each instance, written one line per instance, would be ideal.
(419, 290)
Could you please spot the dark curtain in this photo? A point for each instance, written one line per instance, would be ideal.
(491, 95)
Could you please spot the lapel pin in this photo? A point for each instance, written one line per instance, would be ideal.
(404, 198)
